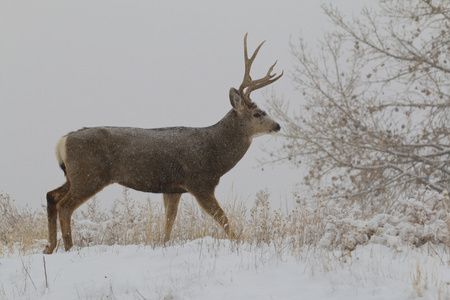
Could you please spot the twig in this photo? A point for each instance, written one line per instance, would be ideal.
(45, 272)
(435, 252)
(140, 294)
(26, 270)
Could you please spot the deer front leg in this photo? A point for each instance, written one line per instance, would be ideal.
(171, 202)
(209, 204)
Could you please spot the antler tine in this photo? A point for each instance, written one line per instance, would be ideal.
(250, 61)
(250, 84)
(247, 81)
(266, 80)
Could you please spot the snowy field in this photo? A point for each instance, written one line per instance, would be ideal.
(210, 268)
(319, 250)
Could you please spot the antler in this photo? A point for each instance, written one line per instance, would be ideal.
(250, 84)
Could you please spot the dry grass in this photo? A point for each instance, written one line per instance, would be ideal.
(24, 231)
(313, 223)
(21, 228)
(129, 222)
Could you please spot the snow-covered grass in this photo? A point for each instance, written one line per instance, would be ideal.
(209, 268)
(316, 251)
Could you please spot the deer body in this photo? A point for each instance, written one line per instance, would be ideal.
(171, 161)
(165, 160)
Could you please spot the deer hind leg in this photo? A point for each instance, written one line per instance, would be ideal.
(171, 202)
(209, 204)
(75, 197)
(53, 197)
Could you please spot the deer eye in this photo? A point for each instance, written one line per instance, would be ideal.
(257, 115)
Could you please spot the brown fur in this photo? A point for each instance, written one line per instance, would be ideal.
(171, 161)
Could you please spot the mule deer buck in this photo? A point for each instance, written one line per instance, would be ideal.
(171, 161)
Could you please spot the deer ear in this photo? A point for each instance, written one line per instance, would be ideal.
(236, 100)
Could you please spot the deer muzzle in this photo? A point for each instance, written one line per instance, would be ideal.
(276, 128)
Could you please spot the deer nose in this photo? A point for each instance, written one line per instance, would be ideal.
(277, 128)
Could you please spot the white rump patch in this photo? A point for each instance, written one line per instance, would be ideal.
(61, 150)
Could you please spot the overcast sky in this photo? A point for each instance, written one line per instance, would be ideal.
(65, 65)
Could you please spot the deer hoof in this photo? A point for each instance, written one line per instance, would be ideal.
(48, 249)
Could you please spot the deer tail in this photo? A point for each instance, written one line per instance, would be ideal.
(61, 153)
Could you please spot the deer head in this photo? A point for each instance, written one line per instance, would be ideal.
(259, 122)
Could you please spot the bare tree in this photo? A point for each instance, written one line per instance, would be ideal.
(374, 121)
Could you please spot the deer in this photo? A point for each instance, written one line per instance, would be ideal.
(170, 160)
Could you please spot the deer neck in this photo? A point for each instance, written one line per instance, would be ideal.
(231, 140)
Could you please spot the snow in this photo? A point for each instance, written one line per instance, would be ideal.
(210, 268)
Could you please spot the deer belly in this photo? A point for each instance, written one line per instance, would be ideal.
(163, 178)
(155, 188)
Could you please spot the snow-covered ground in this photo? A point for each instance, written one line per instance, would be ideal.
(210, 268)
